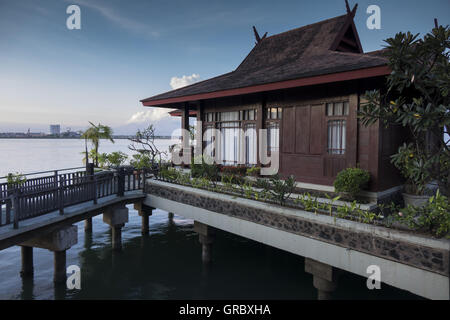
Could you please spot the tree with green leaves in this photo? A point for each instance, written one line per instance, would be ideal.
(96, 132)
(147, 152)
(417, 98)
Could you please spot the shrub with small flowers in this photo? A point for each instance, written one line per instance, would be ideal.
(434, 217)
(415, 167)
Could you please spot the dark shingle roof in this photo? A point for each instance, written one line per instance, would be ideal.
(298, 53)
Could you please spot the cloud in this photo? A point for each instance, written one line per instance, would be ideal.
(176, 82)
(151, 115)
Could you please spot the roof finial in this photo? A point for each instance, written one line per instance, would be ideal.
(257, 37)
(347, 6)
(436, 25)
(350, 12)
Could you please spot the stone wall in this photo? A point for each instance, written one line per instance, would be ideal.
(409, 253)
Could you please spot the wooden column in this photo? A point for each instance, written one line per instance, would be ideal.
(260, 117)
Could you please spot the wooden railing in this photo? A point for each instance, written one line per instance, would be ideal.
(46, 194)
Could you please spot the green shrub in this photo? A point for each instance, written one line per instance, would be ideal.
(15, 179)
(141, 161)
(234, 170)
(254, 171)
(351, 180)
(434, 217)
(169, 174)
(203, 169)
(281, 189)
(116, 159)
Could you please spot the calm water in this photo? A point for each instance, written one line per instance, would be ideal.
(166, 264)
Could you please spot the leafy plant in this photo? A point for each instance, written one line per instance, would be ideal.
(234, 170)
(248, 190)
(143, 143)
(414, 166)
(253, 171)
(94, 134)
(281, 189)
(15, 179)
(141, 161)
(434, 217)
(204, 169)
(329, 206)
(417, 98)
(351, 180)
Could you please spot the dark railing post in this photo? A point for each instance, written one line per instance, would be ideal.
(144, 174)
(90, 169)
(15, 201)
(55, 185)
(120, 182)
(94, 185)
(62, 183)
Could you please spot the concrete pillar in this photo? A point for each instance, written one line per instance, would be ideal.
(206, 238)
(88, 225)
(57, 241)
(144, 211)
(116, 236)
(27, 261)
(116, 217)
(324, 278)
(59, 266)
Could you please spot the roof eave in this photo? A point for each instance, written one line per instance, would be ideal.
(377, 71)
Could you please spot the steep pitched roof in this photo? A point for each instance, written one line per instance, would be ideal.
(298, 53)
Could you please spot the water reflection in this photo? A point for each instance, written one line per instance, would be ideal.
(166, 264)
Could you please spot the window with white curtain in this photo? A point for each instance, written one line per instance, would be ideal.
(250, 144)
(237, 143)
(273, 136)
(209, 140)
(336, 126)
(229, 137)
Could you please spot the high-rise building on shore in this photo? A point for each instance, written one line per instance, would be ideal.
(55, 129)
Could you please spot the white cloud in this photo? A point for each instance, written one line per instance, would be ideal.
(151, 115)
(176, 82)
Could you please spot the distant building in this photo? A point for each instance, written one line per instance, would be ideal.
(55, 129)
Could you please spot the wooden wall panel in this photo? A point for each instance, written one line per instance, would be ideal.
(317, 130)
(302, 129)
(288, 130)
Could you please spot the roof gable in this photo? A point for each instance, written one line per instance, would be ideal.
(294, 45)
(326, 47)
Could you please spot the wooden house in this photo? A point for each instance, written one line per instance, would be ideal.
(304, 86)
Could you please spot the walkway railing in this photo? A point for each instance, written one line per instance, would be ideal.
(38, 196)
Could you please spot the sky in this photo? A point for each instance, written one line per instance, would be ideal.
(129, 50)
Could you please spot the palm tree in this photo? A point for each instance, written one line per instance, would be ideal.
(94, 133)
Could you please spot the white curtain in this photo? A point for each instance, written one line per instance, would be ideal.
(250, 144)
(273, 136)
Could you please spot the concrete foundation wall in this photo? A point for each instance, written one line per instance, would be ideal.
(416, 280)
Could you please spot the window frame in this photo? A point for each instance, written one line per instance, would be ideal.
(343, 119)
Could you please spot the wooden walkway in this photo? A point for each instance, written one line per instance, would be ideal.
(53, 201)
